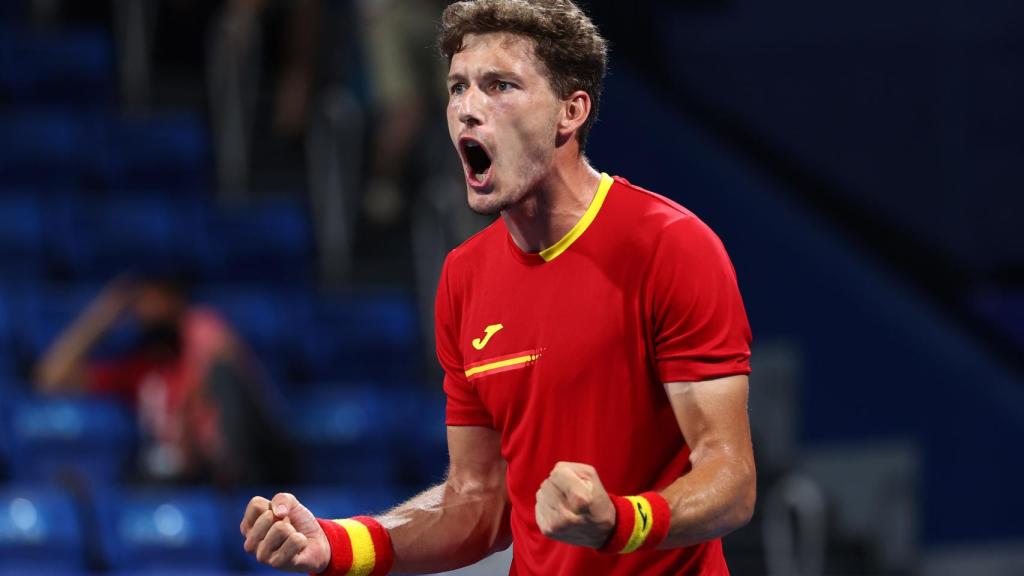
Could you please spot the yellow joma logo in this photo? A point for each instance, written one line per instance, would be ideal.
(488, 332)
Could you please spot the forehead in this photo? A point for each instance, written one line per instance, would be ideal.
(502, 50)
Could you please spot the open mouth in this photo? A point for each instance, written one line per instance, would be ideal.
(478, 161)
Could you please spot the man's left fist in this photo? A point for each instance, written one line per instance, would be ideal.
(573, 507)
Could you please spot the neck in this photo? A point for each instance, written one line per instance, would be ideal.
(555, 205)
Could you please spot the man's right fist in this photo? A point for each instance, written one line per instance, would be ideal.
(284, 534)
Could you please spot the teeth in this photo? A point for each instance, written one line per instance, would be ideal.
(472, 144)
(480, 177)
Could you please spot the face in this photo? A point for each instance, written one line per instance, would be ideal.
(502, 118)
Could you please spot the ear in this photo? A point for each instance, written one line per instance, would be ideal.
(575, 111)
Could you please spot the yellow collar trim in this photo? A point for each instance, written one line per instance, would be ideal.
(553, 251)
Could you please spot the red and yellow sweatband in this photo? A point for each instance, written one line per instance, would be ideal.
(641, 523)
(360, 546)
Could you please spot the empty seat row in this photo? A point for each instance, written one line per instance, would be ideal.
(71, 68)
(93, 237)
(53, 149)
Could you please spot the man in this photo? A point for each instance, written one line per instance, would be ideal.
(593, 338)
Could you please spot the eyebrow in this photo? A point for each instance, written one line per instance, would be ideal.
(489, 74)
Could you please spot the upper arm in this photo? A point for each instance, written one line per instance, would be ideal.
(477, 471)
(698, 321)
(712, 415)
(476, 463)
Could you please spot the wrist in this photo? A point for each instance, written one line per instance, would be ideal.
(641, 523)
(359, 546)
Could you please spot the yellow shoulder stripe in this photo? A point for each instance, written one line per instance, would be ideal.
(553, 251)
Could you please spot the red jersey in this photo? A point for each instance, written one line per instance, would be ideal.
(565, 353)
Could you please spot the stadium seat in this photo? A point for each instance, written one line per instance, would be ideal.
(99, 151)
(166, 151)
(8, 340)
(82, 442)
(40, 531)
(40, 148)
(368, 336)
(22, 249)
(268, 242)
(350, 434)
(148, 234)
(160, 529)
(72, 68)
(41, 312)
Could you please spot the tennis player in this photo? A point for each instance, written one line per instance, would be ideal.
(595, 345)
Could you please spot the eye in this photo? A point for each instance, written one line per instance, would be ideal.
(502, 86)
(457, 88)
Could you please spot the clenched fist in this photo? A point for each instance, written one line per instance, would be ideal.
(573, 507)
(284, 534)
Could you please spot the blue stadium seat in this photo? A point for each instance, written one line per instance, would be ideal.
(41, 148)
(169, 150)
(40, 313)
(425, 451)
(8, 340)
(149, 234)
(79, 441)
(94, 150)
(373, 336)
(22, 247)
(72, 68)
(350, 434)
(268, 242)
(40, 531)
(160, 529)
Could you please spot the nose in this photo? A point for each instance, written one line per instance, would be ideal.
(470, 107)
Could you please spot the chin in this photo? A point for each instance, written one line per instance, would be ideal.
(485, 204)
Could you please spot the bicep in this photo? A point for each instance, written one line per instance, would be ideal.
(712, 415)
(475, 458)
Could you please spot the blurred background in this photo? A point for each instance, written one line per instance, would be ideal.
(221, 225)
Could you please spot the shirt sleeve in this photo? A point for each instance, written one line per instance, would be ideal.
(463, 406)
(699, 323)
(117, 378)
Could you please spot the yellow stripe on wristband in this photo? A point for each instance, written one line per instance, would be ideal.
(643, 521)
(364, 555)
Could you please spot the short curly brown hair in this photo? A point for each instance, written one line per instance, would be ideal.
(565, 41)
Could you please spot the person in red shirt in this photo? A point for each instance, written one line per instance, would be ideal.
(594, 343)
(200, 402)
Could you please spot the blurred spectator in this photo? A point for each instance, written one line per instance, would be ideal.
(408, 79)
(239, 52)
(204, 411)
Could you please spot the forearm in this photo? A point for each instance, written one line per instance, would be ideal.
(716, 497)
(448, 526)
(60, 368)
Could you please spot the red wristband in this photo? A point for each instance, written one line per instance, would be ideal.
(662, 519)
(641, 523)
(624, 519)
(360, 546)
